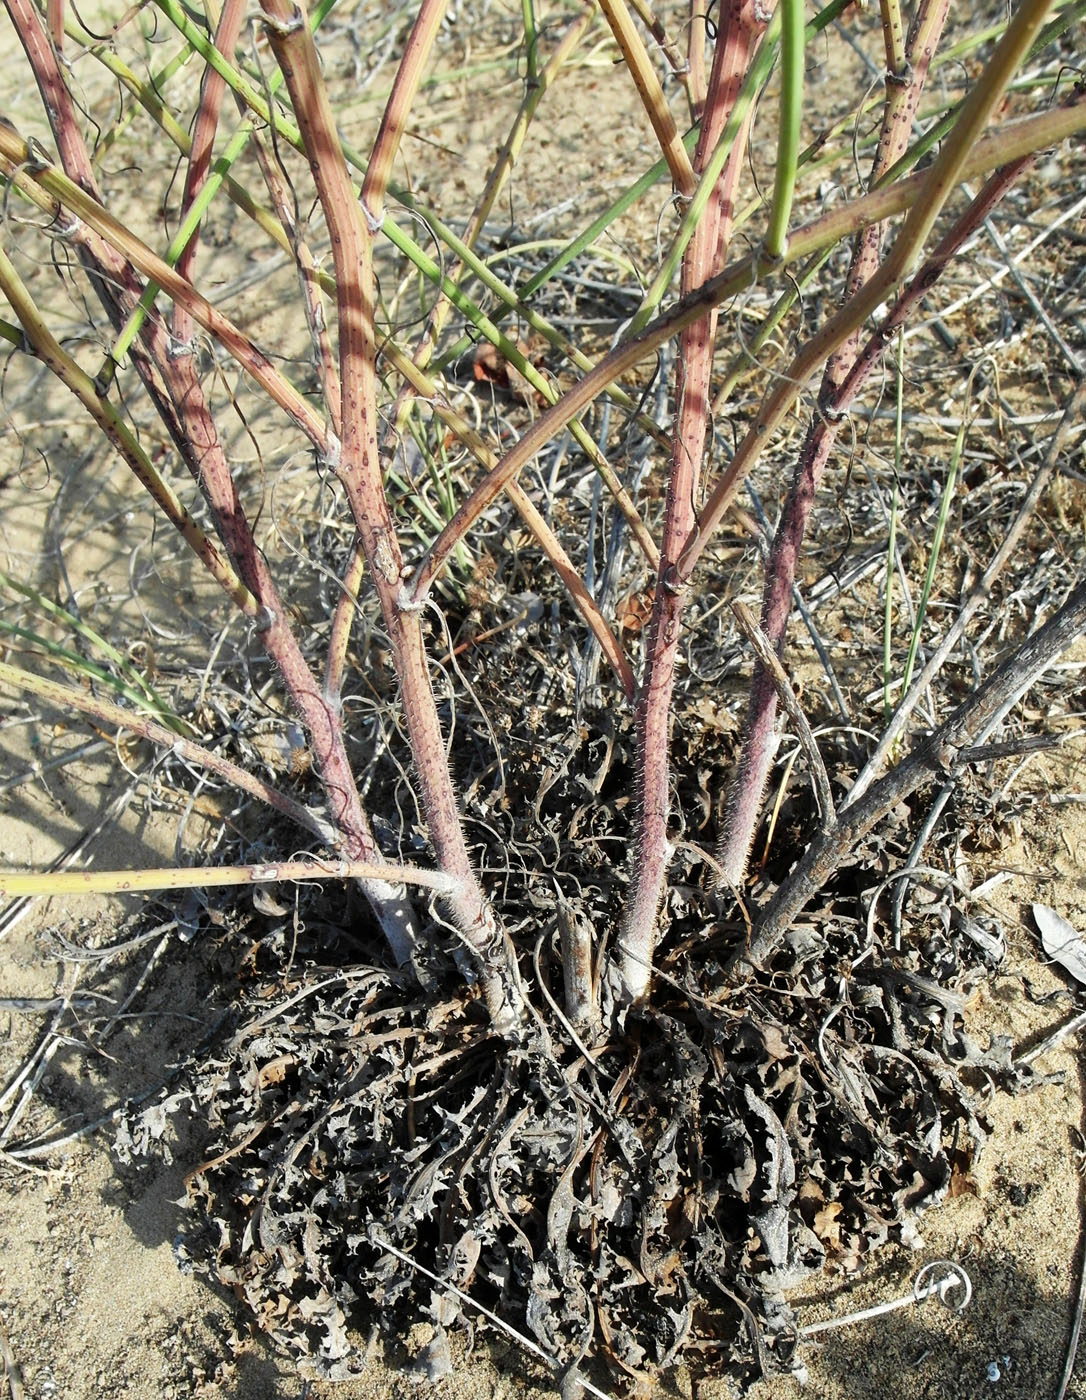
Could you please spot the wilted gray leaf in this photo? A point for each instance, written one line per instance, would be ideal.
(780, 1171)
(1061, 941)
(992, 944)
(434, 1362)
(264, 902)
(323, 1311)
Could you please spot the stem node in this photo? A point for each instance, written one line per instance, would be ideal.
(283, 28)
(332, 455)
(374, 222)
(406, 600)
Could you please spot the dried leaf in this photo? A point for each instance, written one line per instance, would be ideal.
(490, 366)
(826, 1225)
(264, 902)
(634, 611)
(1061, 941)
(962, 1184)
(434, 1362)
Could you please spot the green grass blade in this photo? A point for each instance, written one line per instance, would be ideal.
(90, 670)
(945, 503)
(75, 624)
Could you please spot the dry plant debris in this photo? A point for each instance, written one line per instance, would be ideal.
(630, 1181)
(650, 1201)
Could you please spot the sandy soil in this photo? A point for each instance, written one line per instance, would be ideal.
(92, 1302)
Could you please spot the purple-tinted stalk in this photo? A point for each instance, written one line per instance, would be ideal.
(204, 453)
(537, 84)
(309, 278)
(865, 360)
(352, 226)
(906, 72)
(212, 90)
(927, 190)
(182, 404)
(740, 26)
(965, 152)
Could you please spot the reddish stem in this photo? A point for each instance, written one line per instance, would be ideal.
(695, 58)
(703, 257)
(757, 746)
(212, 89)
(179, 396)
(352, 226)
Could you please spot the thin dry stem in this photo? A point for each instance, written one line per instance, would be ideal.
(68, 699)
(767, 657)
(26, 171)
(195, 877)
(941, 753)
(651, 93)
(496, 181)
(680, 66)
(52, 354)
(977, 595)
(552, 548)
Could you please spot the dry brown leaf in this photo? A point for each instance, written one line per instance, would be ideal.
(826, 1225)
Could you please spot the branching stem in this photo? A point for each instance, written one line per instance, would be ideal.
(352, 225)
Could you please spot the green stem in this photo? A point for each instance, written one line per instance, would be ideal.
(180, 241)
(791, 113)
(937, 538)
(72, 661)
(651, 177)
(600, 225)
(746, 359)
(135, 687)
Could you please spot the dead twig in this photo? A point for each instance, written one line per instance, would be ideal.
(767, 657)
(940, 753)
(12, 1374)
